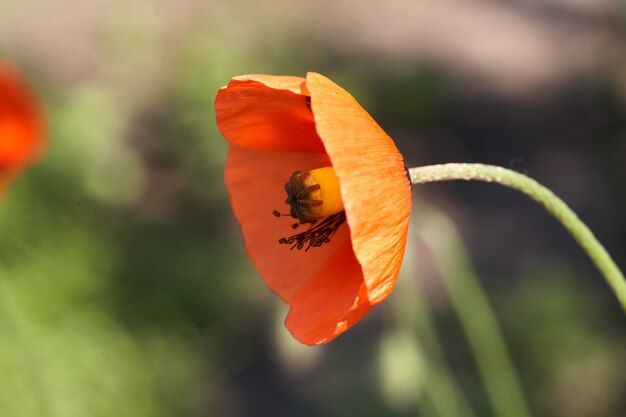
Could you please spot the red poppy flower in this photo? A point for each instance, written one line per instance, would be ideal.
(306, 147)
(21, 127)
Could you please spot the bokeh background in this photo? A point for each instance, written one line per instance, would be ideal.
(124, 286)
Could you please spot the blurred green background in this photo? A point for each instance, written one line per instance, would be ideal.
(124, 286)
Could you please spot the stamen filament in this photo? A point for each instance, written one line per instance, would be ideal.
(318, 234)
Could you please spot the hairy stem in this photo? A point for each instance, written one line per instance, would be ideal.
(539, 193)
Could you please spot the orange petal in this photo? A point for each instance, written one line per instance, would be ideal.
(278, 82)
(21, 127)
(267, 113)
(331, 302)
(255, 182)
(374, 186)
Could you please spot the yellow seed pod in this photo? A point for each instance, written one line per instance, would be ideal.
(330, 194)
(313, 195)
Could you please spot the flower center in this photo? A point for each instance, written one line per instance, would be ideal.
(312, 196)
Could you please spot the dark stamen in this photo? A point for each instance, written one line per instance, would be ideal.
(317, 234)
(276, 213)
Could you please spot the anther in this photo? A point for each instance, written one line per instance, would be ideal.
(316, 235)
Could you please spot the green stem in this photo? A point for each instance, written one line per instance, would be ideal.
(411, 312)
(477, 318)
(539, 193)
(442, 390)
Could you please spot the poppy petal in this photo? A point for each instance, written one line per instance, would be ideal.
(278, 82)
(255, 180)
(374, 186)
(21, 126)
(331, 302)
(267, 113)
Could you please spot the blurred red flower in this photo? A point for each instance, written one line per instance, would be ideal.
(21, 124)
